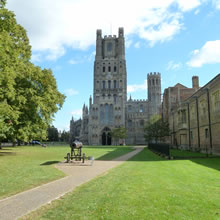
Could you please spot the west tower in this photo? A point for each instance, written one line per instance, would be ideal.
(109, 88)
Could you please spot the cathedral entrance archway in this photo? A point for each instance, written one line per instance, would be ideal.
(106, 137)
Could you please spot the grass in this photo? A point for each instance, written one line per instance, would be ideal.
(176, 153)
(22, 168)
(146, 187)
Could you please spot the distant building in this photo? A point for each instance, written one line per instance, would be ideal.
(174, 96)
(109, 107)
(195, 120)
(75, 128)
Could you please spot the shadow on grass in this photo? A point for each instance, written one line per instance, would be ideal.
(7, 153)
(213, 163)
(112, 155)
(147, 156)
(50, 162)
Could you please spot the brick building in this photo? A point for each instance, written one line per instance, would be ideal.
(195, 121)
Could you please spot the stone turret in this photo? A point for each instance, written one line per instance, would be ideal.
(154, 91)
(98, 44)
(121, 43)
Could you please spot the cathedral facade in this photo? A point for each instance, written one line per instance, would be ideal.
(109, 107)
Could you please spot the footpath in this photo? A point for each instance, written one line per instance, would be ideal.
(21, 204)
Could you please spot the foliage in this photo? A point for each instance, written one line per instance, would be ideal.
(53, 134)
(146, 187)
(119, 133)
(156, 129)
(64, 136)
(28, 95)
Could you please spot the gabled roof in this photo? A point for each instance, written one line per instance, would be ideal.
(179, 85)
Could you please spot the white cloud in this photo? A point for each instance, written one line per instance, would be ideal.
(137, 87)
(53, 25)
(216, 3)
(128, 43)
(208, 54)
(173, 66)
(71, 92)
(82, 59)
(137, 45)
(77, 113)
(63, 127)
(197, 12)
(73, 61)
(36, 57)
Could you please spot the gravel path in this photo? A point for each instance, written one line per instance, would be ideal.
(20, 204)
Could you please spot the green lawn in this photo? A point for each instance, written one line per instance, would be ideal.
(176, 153)
(22, 168)
(146, 187)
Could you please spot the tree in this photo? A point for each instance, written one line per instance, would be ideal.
(28, 95)
(64, 136)
(119, 133)
(53, 134)
(156, 129)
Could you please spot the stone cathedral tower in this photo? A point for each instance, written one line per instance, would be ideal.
(110, 88)
(109, 107)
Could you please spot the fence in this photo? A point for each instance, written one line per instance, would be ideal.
(160, 148)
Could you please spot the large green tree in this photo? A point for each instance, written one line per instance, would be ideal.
(119, 134)
(29, 97)
(53, 134)
(156, 129)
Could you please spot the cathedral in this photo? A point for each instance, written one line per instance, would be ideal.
(109, 107)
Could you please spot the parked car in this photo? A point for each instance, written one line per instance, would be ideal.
(36, 142)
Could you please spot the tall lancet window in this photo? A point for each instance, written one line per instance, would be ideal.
(111, 113)
(106, 113)
(102, 114)
(109, 84)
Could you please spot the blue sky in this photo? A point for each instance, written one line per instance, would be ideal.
(178, 38)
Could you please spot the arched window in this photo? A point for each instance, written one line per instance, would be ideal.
(102, 114)
(109, 69)
(115, 68)
(111, 113)
(141, 123)
(115, 84)
(115, 98)
(106, 113)
(103, 69)
(109, 84)
(141, 108)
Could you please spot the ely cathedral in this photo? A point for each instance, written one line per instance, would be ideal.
(109, 107)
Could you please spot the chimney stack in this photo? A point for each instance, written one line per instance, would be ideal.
(195, 82)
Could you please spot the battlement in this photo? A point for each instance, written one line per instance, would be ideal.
(137, 100)
(153, 74)
(110, 37)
